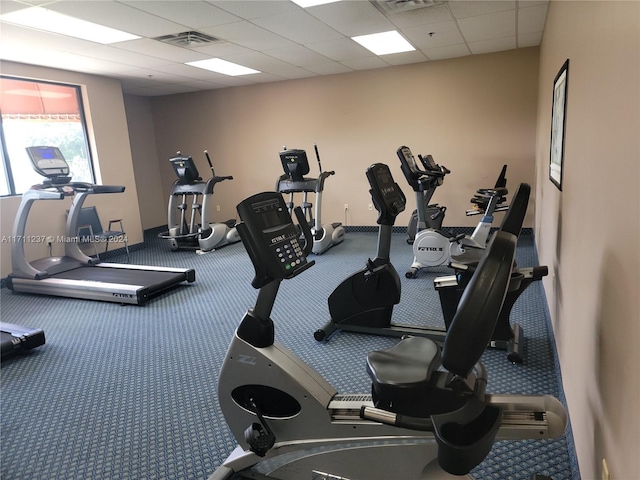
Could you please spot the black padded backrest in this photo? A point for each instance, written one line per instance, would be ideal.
(514, 218)
(480, 305)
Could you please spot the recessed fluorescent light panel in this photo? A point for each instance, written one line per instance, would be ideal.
(222, 66)
(312, 3)
(54, 22)
(384, 43)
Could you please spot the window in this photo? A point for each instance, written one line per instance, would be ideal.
(40, 113)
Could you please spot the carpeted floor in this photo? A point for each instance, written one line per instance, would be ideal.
(130, 393)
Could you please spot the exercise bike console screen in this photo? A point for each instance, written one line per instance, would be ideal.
(270, 236)
(409, 158)
(386, 194)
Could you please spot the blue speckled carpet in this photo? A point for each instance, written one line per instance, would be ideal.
(129, 393)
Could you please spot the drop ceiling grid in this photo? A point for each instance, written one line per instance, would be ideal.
(288, 41)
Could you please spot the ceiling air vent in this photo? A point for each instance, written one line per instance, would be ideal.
(189, 39)
(395, 6)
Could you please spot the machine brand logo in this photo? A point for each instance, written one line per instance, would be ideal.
(122, 295)
(247, 359)
(430, 249)
(277, 239)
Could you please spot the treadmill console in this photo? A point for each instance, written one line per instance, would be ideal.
(272, 239)
(385, 193)
(50, 163)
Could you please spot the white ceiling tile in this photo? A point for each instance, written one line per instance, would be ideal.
(434, 35)
(114, 54)
(13, 36)
(260, 61)
(486, 27)
(178, 69)
(267, 77)
(193, 14)
(442, 53)
(250, 9)
(365, 63)
(340, 49)
(7, 6)
(352, 18)
(421, 16)
(248, 35)
(299, 27)
(405, 58)
(298, 55)
(279, 38)
(119, 16)
(296, 72)
(529, 40)
(329, 68)
(493, 45)
(158, 49)
(532, 19)
(473, 8)
(222, 49)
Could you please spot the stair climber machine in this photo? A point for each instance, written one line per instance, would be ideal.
(191, 229)
(434, 247)
(75, 274)
(424, 183)
(363, 302)
(420, 421)
(295, 165)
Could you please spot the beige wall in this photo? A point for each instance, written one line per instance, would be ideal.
(151, 197)
(474, 114)
(104, 109)
(588, 233)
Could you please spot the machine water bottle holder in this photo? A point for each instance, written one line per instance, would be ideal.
(464, 442)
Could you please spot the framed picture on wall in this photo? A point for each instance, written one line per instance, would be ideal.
(558, 125)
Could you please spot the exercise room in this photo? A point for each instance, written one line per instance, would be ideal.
(311, 239)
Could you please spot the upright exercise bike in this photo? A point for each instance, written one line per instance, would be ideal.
(295, 166)
(424, 183)
(434, 247)
(419, 422)
(192, 231)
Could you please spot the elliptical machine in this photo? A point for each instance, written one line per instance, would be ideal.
(295, 166)
(195, 234)
(425, 186)
(420, 421)
(434, 247)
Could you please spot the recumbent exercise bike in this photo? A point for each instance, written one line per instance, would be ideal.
(419, 422)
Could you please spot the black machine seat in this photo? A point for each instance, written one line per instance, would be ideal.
(466, 339)
(406, 367)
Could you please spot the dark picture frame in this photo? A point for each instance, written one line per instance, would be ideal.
(558, 125)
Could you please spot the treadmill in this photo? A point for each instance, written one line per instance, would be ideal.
(75, 274)
(17, 339)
